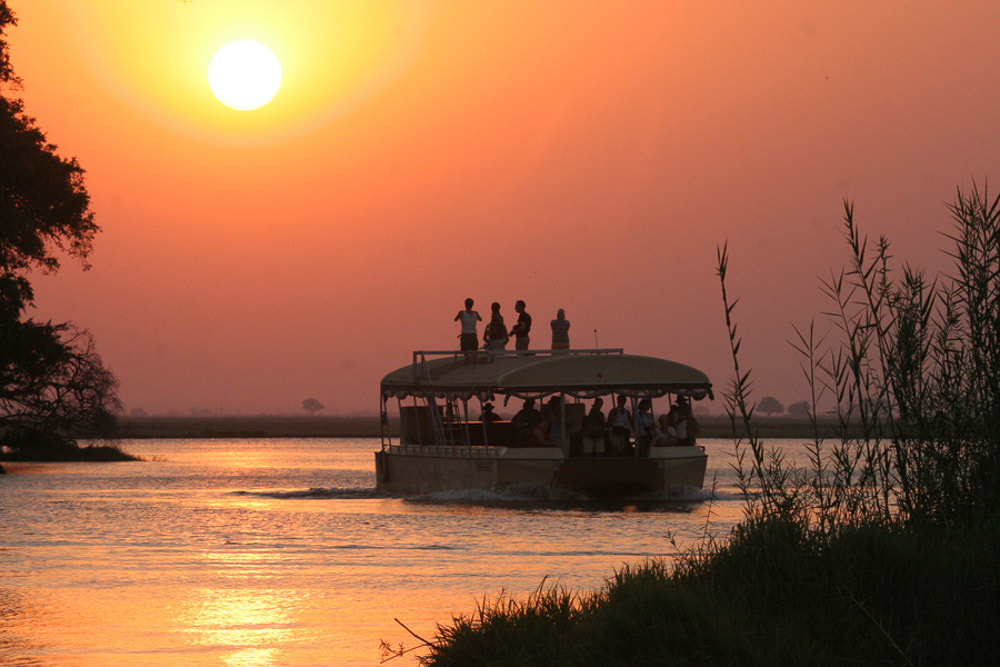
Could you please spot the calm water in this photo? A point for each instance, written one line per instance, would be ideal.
(279, 552)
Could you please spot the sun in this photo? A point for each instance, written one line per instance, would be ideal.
(244, 75)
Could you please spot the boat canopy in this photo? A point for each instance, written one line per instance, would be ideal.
(578, 373)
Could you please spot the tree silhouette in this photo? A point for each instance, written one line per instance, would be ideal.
(799, 410)
(312, 406)
(769, 405)
(51, 377)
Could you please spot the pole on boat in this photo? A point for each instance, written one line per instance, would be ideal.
(562, 424)
(486, 439)
(635, 427)
(402, 432)
(465, 409)
(381, 419)
(416, 416)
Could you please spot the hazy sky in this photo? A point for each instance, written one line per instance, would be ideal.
(583, 155)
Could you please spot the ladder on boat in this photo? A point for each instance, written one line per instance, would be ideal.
(436, 425)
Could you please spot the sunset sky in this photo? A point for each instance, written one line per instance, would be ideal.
(579, 155)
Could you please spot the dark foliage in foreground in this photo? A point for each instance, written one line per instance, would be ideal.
(775, 594)
(51, 377)
(885, 550)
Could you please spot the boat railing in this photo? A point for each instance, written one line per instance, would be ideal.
(422, 357)
(422, 372)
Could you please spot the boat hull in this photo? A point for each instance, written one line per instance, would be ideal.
(414, 469)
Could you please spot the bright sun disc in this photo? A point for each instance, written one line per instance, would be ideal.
(244, 75)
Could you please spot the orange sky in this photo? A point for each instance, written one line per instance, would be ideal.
(583, 155)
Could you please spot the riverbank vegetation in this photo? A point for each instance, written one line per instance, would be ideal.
(51, 377)
(884, 550)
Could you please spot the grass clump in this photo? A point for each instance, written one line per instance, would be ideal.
(885, 549)
(774, 593)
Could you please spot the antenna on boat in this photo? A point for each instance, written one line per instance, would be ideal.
(596, 346)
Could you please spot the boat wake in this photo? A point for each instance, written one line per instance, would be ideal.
(541, 496)
(320, 493)
(515, 495)
(523, 492)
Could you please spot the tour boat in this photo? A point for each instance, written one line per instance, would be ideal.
(440, 447)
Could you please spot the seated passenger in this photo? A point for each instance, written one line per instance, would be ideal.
(691, 427)
(644, 428)
(539, 436)
(619, 423)
(593, 429)
(666, 431)
(488, 414)
(526, 418)
(554, 416)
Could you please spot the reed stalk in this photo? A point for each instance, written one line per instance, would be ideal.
(914, 367)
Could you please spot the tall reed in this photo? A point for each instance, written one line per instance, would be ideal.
(914, 367)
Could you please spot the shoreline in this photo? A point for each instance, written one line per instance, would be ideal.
(284, 426)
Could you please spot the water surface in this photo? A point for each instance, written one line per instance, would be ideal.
(280, 552)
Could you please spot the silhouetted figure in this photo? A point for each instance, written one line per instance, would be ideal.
(488, 414)
(666, 433)
(521, 330)
(560, 331)
(495, 336)
(539, 436)
(469, 338)
(687, 426)
(619, 423)
(558, 428)
(526, 418)
(593, 429)
(644, 428)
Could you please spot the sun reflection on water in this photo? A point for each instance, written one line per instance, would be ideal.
(249, 625)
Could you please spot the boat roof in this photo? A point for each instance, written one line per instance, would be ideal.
(582, 373)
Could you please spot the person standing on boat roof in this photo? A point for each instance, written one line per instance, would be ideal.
(560, 331)
(521, 330)
(468, 339)
(495, 336)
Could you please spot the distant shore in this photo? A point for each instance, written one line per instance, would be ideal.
(281, 426)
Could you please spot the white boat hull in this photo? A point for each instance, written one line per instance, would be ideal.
(416, 469)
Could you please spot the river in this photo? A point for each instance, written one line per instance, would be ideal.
(280, 552)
